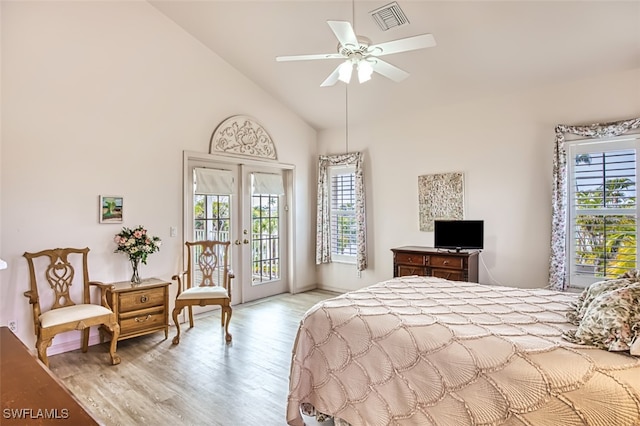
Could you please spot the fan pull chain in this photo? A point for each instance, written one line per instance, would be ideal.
(346, 110)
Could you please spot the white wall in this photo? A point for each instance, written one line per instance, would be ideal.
(102, 98)
(504, 146)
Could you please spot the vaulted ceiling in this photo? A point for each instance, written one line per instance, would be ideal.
(484, 49)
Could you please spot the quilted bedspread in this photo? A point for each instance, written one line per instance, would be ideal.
(427, 351)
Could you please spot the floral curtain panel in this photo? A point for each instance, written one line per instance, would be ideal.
(557, 262)
(323, 233)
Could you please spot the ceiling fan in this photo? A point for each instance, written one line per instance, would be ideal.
(358, 52)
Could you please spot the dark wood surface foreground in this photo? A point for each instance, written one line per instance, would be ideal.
(201, 381)
(31, 395)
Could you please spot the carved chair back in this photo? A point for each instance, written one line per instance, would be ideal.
(208, 264)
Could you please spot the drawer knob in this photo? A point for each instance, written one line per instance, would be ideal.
(410, 260)
(446, 262)
(143, 319)
(144, 298)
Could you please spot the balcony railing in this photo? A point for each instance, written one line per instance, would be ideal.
(201, 235)
(263, 270)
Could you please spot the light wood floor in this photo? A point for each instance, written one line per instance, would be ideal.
(201, 381)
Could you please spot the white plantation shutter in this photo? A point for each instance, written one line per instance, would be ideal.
(603, 213)
(343, 213)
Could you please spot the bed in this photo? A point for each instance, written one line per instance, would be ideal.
(428, 351)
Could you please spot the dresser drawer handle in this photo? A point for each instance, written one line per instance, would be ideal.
(446, 262)
(410, 260)
(144, 298)
(148, 317)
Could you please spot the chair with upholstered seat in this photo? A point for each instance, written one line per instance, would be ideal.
(51, 275)
(205, 281)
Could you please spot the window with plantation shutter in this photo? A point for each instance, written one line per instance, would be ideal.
(343, 213)
(603, 213)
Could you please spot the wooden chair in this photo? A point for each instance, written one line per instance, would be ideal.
(206, 281)
(56, 275)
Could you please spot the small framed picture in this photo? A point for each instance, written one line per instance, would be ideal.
(111, 209)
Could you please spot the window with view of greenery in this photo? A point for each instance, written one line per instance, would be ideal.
(603, 210)
(212, 217)
(343, 214)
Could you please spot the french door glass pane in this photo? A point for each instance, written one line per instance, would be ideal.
(212, 221)
(265, 239)
(212, 217)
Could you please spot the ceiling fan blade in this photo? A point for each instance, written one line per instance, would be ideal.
(308, 57)
(402, 45)
(390, 71)
(344, 33)
(333, 78)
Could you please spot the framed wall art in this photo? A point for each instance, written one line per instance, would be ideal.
(440, 196)
(111, 209)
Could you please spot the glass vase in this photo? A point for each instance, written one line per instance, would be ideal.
(135, 277)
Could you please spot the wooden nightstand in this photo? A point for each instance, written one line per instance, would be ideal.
(140, 308)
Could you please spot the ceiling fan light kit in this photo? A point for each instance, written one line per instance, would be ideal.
(365, 69)
(357, 51)
(344, 72)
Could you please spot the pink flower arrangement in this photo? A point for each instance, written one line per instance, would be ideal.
(136, 243)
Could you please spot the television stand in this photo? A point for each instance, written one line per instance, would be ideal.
(431, 262)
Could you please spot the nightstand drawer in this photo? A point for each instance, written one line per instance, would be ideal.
(142, 320)
(411, 259)
(447, 262)
(141, 299)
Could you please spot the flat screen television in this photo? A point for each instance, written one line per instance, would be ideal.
(458, 234)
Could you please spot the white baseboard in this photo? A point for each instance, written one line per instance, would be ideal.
(333, 289)
(306, 288)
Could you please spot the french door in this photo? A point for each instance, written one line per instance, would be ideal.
(246, 205)
(264, 233)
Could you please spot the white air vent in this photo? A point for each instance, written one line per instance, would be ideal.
(389, 16)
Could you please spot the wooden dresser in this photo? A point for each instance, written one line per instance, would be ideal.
(431, 262)
(141, 308)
